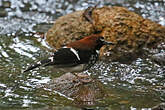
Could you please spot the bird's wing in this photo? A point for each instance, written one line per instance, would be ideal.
(66, 57)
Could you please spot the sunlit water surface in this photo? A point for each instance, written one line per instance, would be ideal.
(140, 84)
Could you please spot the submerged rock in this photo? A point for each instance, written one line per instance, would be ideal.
(82, 93)
(128, 30)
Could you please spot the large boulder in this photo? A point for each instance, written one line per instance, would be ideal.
(131, 32)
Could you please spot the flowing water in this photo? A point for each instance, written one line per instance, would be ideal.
(136, 86)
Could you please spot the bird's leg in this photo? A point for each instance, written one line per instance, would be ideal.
(83, 78)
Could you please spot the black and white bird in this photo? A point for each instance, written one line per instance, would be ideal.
(76, 56)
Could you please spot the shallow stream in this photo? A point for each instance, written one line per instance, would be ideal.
(136, 86)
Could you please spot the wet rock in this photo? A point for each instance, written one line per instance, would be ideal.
(157, 54)
(161, 106)
(6, 4)
(3, 13)
(128, 30)
(83, 93)
(159, 58)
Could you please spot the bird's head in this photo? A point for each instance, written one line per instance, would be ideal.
(90, 42)
(100, 41)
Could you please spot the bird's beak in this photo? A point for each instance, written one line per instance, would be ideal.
(108, 43)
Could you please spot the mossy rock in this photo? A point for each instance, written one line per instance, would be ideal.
(131, 32)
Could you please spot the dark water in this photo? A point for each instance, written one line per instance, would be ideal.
(136, 86)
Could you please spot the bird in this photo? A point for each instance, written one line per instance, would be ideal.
(76, 56)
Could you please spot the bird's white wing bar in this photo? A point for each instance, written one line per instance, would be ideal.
(39, 63)
(51, 59)
(97, 51)
(75, 52)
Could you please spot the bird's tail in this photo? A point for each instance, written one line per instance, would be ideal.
(44, 62)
